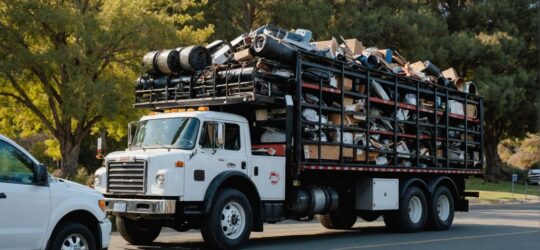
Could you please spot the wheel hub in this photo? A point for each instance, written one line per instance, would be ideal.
(415, 209)
(75, 242)
(232, 220)
(443, 207)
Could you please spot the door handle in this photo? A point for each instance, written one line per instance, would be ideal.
(3, 196)
(231, 165)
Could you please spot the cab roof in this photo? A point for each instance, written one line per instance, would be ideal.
(203, 115)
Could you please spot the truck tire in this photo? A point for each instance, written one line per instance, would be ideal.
(412, 214)
(228, 225)
(337, 220)
(441, 209)
(137, 232)
(73, 234)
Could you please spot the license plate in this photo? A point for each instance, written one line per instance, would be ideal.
(119, 207)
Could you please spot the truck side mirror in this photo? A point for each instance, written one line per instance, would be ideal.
(132, 127)
(40, 175)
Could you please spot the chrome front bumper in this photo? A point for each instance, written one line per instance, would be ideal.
(140, 206)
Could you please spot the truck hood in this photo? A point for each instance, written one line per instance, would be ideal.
(75, 187)
(145, 154)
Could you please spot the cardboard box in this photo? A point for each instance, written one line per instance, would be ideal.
(348, 120)
(418, 67)
(469, 137)
(450, 74)
(347, 101)
(471, 111)
(355, 46)
(440, 153)
(361, 88)
(361, 155)
(261, 114)
(243, 55)
(332, 44)
(328, 152)
(347, 83)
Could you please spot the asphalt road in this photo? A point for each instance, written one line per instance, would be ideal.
(484, 227)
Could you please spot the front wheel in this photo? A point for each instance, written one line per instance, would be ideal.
(229, 223)
(441, 209)
(412, 214)
(72, 235)
(137, 232)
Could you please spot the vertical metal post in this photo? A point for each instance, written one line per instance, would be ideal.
(418, 124)
(436, 124)
(341, 160)
(466, 128)
(298, 135)
(367, 109)
(446, 124)
(395, 158)
(320, 122)
(481, 124)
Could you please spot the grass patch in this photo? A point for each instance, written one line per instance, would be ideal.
(502, 190)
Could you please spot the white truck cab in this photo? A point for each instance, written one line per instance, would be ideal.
(173, 167)
(38, 211)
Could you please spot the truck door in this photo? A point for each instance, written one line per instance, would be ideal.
(209, 161)
(234, 148)
(24, 207)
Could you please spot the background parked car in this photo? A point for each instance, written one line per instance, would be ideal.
(38, 211)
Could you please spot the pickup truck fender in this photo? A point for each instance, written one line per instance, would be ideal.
(240, 181)
(82, 210)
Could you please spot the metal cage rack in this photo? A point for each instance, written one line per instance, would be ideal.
(218, 95)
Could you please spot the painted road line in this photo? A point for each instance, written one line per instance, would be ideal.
(437, 240)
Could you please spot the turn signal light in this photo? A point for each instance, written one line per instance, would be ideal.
(102, 204)
(179, 164)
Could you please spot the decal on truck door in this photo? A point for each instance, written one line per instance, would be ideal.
(274, 177)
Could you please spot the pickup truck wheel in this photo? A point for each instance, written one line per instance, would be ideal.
(229, 223)
(72, 235)
(441, 209)
(337, 220)
(412, 214)
(137, 232)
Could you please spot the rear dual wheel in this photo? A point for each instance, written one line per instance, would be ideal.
(412, 214)
(441, 209)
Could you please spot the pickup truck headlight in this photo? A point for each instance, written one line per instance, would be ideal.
(160, 179)
(97, 180)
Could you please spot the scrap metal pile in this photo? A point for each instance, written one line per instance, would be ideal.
(263, 62)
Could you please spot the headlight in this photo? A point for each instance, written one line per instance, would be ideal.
(97, 180)
(160, 179)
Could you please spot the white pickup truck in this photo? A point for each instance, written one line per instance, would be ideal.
(38, 211)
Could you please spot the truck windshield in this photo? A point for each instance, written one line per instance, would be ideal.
(178, 132)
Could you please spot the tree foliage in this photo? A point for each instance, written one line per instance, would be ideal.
(68, 66)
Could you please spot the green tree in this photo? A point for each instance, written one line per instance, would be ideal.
(68, 67)
(494, 43)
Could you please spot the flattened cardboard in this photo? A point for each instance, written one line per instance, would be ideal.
(328, 152)
(243, 55)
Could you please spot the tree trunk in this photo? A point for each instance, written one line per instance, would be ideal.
(69, 150)
(493, 160)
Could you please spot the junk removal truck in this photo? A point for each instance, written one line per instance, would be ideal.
(272, 126)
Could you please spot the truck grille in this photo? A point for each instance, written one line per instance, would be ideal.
(126, 177)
